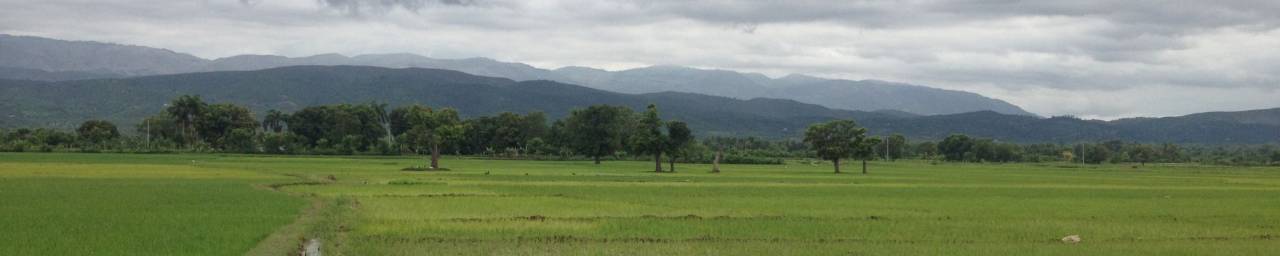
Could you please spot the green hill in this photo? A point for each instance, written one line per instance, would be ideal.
(126, 101)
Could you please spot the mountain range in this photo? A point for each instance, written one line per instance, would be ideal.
(44, 59)
(126, 101)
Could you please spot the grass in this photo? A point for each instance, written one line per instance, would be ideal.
(50, 208)
(367, 206)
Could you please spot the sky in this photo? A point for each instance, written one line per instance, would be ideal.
(1087, 58)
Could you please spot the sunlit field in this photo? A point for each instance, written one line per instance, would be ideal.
(106, 204)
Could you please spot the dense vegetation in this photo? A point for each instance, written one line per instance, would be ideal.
(190, 124)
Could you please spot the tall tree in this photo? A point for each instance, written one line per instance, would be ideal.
(835, 140)
(649, 137)
(895, 147)
(927, 150)
(597, 131)
(186, 110)
(1096, 153)
(97, 131)
(160, 127)
(344, 127)
(218, 122)
(433, 129)
(1142, 153)
(1275, 158)
(865, 150)
(384, 120)
(274, 121)
(954, 147)
(679, 140)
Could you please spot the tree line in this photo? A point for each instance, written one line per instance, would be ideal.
(844, 139)
(188, 123)
(598, 132)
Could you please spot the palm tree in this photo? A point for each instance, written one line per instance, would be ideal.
(274, 121)
(380, 109)
(185, 110)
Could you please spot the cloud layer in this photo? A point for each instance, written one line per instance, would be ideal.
(1089, 58)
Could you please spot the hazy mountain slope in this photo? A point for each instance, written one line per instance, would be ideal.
(1260, 116)
(1027, 129)
(876, 95)
(669, 78)
(86, 60)
(866, 95)
(126, 101)
(475, 66)
(91, 57)
(41, 75)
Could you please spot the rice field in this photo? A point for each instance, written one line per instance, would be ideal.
(105, 204)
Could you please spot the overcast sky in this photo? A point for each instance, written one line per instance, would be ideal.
(1099, 59)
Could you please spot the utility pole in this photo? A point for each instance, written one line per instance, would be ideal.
(1081, 155)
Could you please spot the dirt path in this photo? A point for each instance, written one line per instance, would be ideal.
(292, 239)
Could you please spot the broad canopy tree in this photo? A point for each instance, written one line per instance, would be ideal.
(649, 137)
(344, 127)
(97, 131)
(954, 147)
(221, 121)
(198, 121)
(840, 139)
(431, 129)
(597, 131)
(679, 141)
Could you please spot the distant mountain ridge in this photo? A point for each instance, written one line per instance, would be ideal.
(865, 95)
(62, 60)
(127, 100)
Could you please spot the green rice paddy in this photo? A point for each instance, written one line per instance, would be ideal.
(109, 204)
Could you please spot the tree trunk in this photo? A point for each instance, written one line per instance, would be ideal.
(657, 162)
(715, 164)
(597, 158)
(391, 139)
(864, 166)
(672, 160)
(435, 156)
(836, 162)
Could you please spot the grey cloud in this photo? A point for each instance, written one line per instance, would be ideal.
(1053, 57)
(1154, 15)
(360, 7)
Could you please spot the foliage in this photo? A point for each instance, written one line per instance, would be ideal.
(97, 131)
(954, 147)
(839, 139)
(649, 137)
(597, 131)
